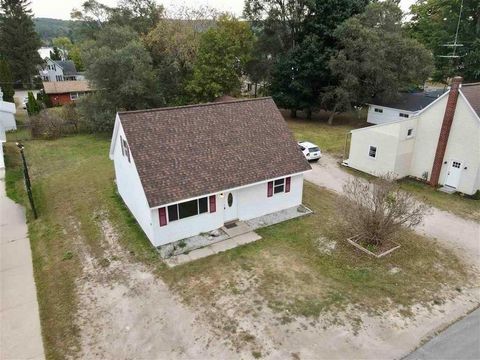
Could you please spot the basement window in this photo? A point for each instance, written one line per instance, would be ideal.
(378, 110)
(410, 133)
(372, 152)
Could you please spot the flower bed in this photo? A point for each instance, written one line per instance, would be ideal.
(386, 248)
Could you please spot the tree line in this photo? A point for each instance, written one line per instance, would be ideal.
(306, 54)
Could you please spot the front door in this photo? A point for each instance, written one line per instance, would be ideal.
(453, 174)
(230, 206)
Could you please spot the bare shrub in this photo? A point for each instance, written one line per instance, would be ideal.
(51, 124)
(378, 209)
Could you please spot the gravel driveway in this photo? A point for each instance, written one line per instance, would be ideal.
(463, 236)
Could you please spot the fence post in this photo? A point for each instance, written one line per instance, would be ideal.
(26, 176)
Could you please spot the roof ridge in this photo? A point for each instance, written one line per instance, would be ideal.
(471, 84)
(193, 105)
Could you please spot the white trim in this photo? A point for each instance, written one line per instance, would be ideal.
(469, 105)
(230, 189)
(114, 136)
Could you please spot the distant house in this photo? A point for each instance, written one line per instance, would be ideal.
(64, 92)
(439, 143)
(7, 122)
(187, 170)
(54, 70)
(403, 107)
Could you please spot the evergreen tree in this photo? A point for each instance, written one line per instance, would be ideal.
(55, 54)
(18, 40)
(33, 106)
(6, 81)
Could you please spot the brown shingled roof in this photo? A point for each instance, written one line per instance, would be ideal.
(472, 93)
(190, 151)
(62, 87)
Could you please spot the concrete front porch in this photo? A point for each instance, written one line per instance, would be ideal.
(227, 237)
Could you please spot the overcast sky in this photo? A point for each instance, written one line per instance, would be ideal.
(60, 9)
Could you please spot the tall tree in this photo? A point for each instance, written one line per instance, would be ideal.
(375, 58)
(120, 68)
(6, 81)
(301, 33)
(222, 56)
(18, 40)
(434, 23)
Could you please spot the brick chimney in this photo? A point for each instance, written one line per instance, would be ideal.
(445, 130)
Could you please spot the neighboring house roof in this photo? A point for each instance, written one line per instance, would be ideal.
(410, 101)
(67, 66)
(472, 94)
(62, 87)
(190, 151)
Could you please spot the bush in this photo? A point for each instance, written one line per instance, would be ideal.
(33, 106)
(378, 209)
(96, 113)
(51, 124)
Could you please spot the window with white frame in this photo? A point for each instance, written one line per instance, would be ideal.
(378, 110)
(404, 115)
(278, 186)
(59, 77)
(410, 133)
(372, 151)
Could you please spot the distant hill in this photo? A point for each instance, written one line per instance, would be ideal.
(48, 29)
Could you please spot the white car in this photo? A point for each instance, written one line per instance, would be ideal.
(311, 151)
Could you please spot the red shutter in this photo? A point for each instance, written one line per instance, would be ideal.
(270, 189)
(213, 203)
(162, 214)
(287, 184)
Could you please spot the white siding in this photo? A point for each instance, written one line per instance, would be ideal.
(388, 114)
(7, 115)
(2, 162)
(385, 139)
(464, 146)
(252, 201)
(414, 156)
(129, 185)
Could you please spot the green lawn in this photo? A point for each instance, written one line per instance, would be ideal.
(73, 181)
(463, 206)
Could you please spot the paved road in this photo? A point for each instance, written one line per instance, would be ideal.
(20, 332)
(458, 234)
(461, 341)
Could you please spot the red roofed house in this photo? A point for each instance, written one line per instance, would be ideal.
(187, 170)
(64, 92)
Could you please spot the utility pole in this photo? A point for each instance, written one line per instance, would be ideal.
(26, 176)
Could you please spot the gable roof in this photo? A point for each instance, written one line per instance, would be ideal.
(68, 67)
(410, 101)
(472, 94)
(62, 87)
(189, 151)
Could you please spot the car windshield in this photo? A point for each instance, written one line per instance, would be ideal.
(313, 149)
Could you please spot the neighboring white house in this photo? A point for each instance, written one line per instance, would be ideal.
(7, 122)
(403, 107)
(186, 170)
(440, 144)
(54, 70)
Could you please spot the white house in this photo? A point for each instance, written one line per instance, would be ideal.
(406, 105)
(186, 170)
(54, 70)
(440, 144)
(7, 123)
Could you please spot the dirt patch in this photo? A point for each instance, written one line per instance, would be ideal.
(127, 312)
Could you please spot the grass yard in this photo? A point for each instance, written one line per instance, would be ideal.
(330, 138)
(463, 206)
(293, 271)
